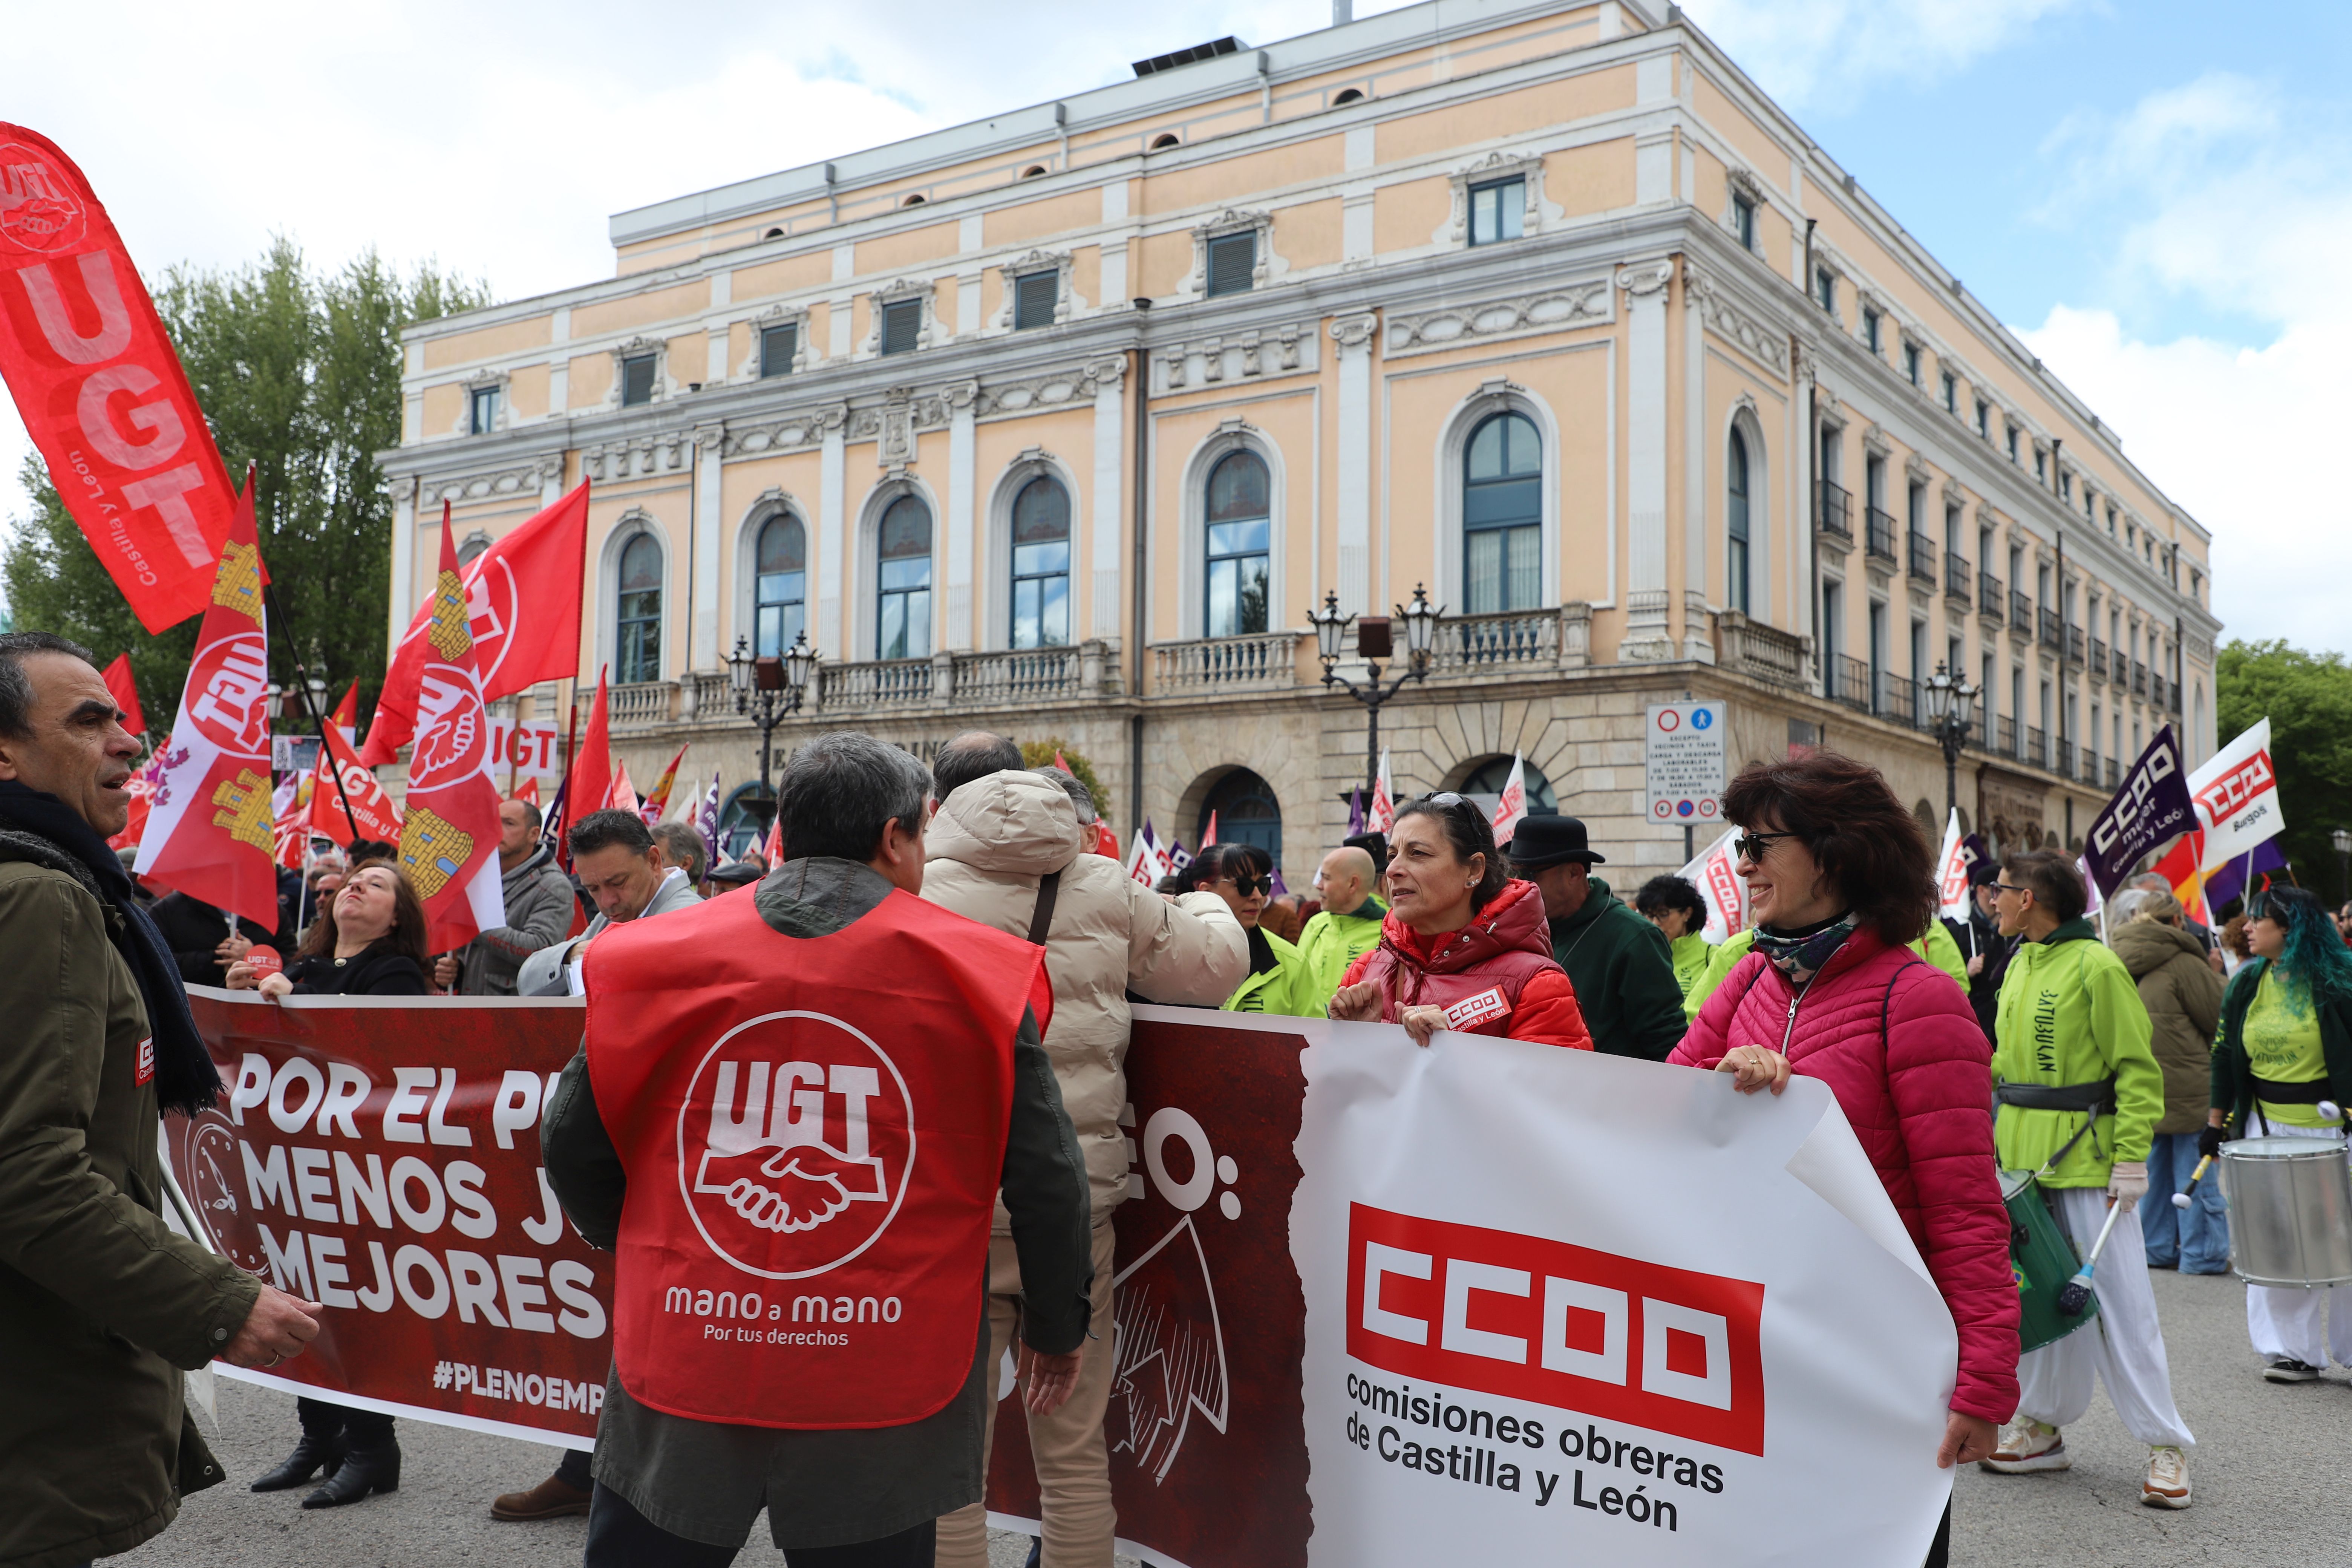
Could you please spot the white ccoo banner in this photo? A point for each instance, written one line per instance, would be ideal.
(1567, 1308)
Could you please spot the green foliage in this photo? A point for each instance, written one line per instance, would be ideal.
(2308, 698)
(1040, 754)
(299, 374)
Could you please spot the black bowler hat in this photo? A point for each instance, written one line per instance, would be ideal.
(1375, 845)
(1548, 840)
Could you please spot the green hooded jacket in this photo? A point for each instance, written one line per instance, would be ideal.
(1936, 947)
(1691, 953)
(1288, 988)
(1624, 973)
(1331, 942)
(2070, 1013)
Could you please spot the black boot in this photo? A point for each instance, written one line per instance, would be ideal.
(364, 1470)
(310, 1456)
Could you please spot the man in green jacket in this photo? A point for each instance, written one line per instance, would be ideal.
(1349, 924)
(1622, 970)
(2078, 1092)
(101, 1304)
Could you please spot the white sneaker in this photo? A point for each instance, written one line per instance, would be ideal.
(2168, 1478)
(2027, 1446)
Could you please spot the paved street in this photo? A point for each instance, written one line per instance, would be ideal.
(2269, 1472)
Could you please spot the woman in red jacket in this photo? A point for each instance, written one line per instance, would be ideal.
(1838, 882)
(1464, 947)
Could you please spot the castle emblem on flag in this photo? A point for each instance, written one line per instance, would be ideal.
(450, 635)
(237, 585)
(432, 850)
(244, 803)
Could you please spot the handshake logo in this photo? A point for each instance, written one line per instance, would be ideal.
(794, 1144)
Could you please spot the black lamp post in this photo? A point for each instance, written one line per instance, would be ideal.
(1375, 641)
(1951, 711)
(768, 689)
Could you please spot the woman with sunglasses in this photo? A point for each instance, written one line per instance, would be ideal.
(1279, 980)
(1462, 946)
(2285, 1044)
(1839, 885)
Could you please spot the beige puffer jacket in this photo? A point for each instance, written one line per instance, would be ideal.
(985, 852)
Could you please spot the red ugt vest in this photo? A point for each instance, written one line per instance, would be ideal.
(814, 1130)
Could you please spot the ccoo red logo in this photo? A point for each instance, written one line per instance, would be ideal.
(794, 1144)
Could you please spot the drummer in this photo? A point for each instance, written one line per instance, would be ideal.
(2277, 1056)
(2078, 1092)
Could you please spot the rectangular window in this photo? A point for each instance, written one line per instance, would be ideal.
(1870, 330)
(902, 326)
(2111, 522)
(636, 381)
(1825, 289)
(1035, 295)
(779, 346)
(2041, 464)
(1951, 391)
(1911, 364)
(1743, 222)
(2066, 486)
(485, 410)
(1498, 210)
(1233, 263)
(1984, 419)
(2012, 443)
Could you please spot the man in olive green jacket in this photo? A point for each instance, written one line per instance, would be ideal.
(101, 1304)
(1349, 924)
(1622, 970)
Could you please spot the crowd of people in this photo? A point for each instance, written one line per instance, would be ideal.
(2022, 1039)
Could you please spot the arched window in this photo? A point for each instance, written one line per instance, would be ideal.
(903, 607)
(637, 640)
(1246, 813)
(475, 544)
(1041, 564)
(780, 585)
(1239, 527)
(1485, 784)
(1735, 558)
(1502, 516)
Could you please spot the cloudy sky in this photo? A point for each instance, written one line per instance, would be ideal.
(2157, 202)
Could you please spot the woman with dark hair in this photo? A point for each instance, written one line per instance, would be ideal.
(2080, 1094)
(1279, 980)
(368, 942)
(1463, 947)
(1839, 885)
(1674, 907)
(2285, 1044)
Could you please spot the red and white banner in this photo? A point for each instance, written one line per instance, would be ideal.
(123, 687)
(523, 607)
(449, 814)
(211, 833)
(359, 808)
(1511, 809)
(380, 1155)
(530, 752)
(1952, 863)
(623, 795)
(1379, 816)
(102, 391)
(1715, 874)
(141, 788)
(2236, 797)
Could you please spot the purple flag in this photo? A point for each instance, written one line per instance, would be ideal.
(1279, 891)
(1356, 811)
(2230, 879)
(2152, 807)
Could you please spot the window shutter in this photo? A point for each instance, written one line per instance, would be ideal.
(902, 321)
(636, 381)
(1233, 263)
(778, 345)
(1033, 299)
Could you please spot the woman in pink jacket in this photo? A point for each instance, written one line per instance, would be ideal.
(1838, 882)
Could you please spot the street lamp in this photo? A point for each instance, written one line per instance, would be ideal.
(1951, 711)
(768, 689)
(1375, 640)
(2344, 857)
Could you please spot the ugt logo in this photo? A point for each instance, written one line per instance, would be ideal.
(794, 1144)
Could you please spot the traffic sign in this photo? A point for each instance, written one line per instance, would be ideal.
(1682, 757)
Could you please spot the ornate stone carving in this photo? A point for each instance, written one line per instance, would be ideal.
(1528, 167)
(1233, 220)
(1645, 277)
(795, 316)
(1054, 388)
(789, 434)
(918, 289)
(523, 479)
(1728, 321)
(1876, 439)
(1246, 354)
(1055, 261)
(1914, 468)
(1348, 332)
(1550, 310)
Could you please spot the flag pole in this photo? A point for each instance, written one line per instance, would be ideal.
(310, 710)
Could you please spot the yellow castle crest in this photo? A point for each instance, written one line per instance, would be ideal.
(451, 635)
(236, 585)
(245, 809)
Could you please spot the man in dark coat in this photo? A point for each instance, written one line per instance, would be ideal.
(1987, 951)
(1620, 965)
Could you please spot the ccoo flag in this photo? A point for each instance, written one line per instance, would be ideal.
(1715, 874)
(2236, 797)
(1952, 863)
(211, 833)
(449, 826)
(1379, 816)
(1512, 808)
(2152, 807)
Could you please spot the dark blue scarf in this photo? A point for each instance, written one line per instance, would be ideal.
(42, 829)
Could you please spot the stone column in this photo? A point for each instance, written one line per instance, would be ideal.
(403, 555)
(962, 398)
(832, 486)
(1646, 635)
(1105, 565)
(709, 448)
(1353, 481)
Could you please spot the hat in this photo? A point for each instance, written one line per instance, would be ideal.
(1375, 845)
(1983, 873)
(735, 873)
(1551, 840)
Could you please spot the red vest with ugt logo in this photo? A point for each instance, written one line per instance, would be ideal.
(813, 1130)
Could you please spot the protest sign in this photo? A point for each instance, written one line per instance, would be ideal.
(2151, 807)
(1714, 872)
(2236, 797)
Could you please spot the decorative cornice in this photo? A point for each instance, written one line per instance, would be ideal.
(1646, 276)
(524, 478)
(1353, 332)
(1727, 319)
(1550, 310)
(1255, 352)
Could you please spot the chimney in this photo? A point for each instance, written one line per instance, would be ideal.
(1343, 12)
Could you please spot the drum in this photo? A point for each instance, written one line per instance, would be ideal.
(2041, 1260)
(2290, 1211)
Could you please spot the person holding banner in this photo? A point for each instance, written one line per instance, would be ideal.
(1679, 911)
(1839, 883)
(1464, 946)
(2285, 1044)
(2079, 1094)
(101, 1304)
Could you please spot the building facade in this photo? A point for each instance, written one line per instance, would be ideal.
(1061, 422)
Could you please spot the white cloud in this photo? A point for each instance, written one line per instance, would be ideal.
(1808, 56)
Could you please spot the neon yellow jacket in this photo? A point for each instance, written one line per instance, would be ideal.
(2070, 1013)
(1938, 949)
(1691, 953)
(1287, 988)
(1332, 942)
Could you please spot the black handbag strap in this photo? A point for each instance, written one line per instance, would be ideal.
(1049, 888)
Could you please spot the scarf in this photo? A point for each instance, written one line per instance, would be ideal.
(1802, 954)
(43, 829)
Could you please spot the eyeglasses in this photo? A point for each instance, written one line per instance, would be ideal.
(1752, 846)
(1999, 887)
(1244, 886)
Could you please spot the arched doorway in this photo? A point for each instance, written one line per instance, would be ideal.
(740, 829)
(1246, 813)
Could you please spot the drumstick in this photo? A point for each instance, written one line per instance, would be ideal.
(2180, 1199)
(2075, 1294)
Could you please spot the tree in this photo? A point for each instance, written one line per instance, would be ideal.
(2308, 698)
(1040, 755)
(297, 373)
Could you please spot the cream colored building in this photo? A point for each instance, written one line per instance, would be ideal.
(1059, 422)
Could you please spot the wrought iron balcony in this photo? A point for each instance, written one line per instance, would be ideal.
(1991, 602)
(2139, 679)
(2114, 774)
(2037, 747)
(1898, 698)
(2006, 743)
(1923, 557)
(2051, 638)
(2098, 658)
(1851, 678)
(2073, 645)
(1834, 509)
(2066, 758)
(2121, 671)
(1881, 543)
(2020, 613)
(1956, 578)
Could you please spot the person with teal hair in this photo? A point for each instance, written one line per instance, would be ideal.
(2284, 1046)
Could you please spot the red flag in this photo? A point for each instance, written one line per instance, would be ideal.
(1209, 835)
(623, 796)
(211, 832)
(773, 851)
(101, 392)
(449, 829)
(292, 834)
(529, 791)
(1105, 841)
(522, 606)
(1062, 761)
(591, 779)
(346, 716)
(1511, 809)
(141, 788)
(655, 805)
(360, 809)
(125, 692)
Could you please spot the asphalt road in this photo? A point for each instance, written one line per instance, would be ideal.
(2269, 1472)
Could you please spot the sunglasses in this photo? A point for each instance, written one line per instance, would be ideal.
(1751, 846)
(1245, 885)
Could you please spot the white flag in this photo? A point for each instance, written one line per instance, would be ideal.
(1381, 816)
(1512, 808)
(1715, 874)
(2236, 797)
(1952, 873)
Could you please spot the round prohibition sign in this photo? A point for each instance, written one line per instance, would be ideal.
(1669, 720)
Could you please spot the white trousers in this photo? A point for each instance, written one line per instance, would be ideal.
(2296, 1325)
(2124, 1346)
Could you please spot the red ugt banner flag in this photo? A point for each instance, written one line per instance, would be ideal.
(522, 608)
(102, 391)
(360, 809)
(449, 832)
(211, 833)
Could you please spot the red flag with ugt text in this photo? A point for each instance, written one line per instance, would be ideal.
(522, 609)
(359, 808)
(450, 826)
(101, 392)
(124, 689)
(210, 831)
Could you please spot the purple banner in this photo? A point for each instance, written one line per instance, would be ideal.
(2152, 807)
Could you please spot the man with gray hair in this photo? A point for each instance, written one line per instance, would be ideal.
(882, 1018)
